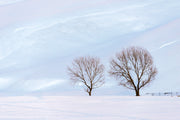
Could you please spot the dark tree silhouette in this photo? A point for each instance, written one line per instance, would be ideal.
(88, 71)
(134, 68)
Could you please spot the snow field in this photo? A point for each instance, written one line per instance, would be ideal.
(89, 108)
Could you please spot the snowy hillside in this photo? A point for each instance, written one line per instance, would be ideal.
(38, 39)
(89, 108)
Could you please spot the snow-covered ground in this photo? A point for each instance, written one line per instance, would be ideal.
(89, 108)
(39, 38)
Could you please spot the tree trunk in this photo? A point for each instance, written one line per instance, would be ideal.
(137, 93)
(90, 93)
(90, 90)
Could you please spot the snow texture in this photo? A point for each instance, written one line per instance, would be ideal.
(89, 108)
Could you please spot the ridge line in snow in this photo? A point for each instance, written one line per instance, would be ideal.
(167, 44)
(41, 26)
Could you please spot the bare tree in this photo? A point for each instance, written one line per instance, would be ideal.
(134, 68)
(88, 71)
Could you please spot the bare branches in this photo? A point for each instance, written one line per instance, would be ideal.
(89, 71)
(134, 68)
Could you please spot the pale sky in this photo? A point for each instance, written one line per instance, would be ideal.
(39, 38)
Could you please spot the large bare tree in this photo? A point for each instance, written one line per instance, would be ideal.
(88, 71)
(134, 68)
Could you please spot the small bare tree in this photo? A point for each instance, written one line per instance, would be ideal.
(88, 71)
(134, 68)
